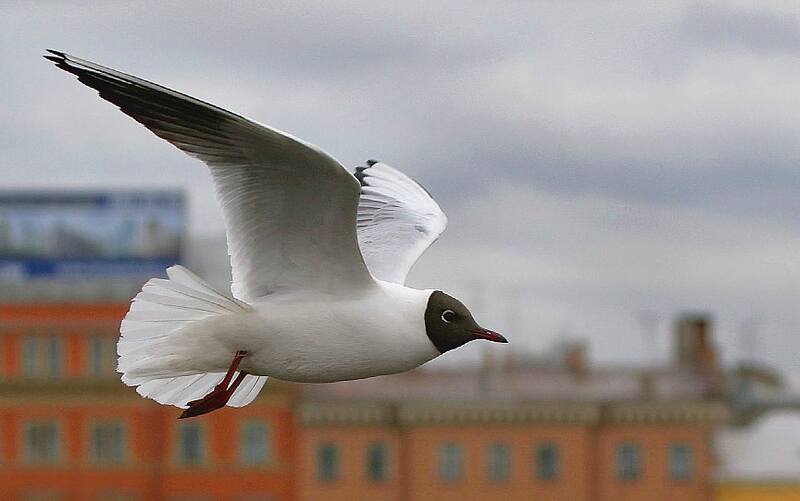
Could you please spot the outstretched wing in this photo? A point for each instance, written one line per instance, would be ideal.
(397, 221)
(289, 208)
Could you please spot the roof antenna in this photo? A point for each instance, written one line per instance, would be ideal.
(648, 322)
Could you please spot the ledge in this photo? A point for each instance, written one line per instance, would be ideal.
(705, 412)
(481, 413)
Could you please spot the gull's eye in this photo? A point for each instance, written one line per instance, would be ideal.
(448, 316)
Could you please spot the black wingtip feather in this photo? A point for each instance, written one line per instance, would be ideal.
(362, 178)
(59, 58)
(360, 175)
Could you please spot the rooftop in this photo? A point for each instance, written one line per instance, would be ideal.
(565, 378)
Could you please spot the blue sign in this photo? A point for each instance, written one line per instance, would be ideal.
(89, 234)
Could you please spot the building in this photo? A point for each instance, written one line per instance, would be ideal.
(524, 431)
(551, 429)
(70, 430)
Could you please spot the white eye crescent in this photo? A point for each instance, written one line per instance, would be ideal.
(448, 316)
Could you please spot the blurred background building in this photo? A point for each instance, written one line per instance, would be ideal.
(619, 172)
(516, 426)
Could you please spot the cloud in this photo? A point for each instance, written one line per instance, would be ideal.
(612, 157)
(752, 28)
(591, 264)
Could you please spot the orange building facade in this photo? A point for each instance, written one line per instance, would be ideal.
(70, 430)
(523, 451)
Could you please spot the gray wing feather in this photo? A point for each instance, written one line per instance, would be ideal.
(289, 207)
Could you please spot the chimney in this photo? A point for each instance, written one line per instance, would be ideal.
(575, 358)
(693, 344)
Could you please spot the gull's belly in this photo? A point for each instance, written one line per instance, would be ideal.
(321, 360)
(326, 343)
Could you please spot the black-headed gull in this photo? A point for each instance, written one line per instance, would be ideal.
(319, 258)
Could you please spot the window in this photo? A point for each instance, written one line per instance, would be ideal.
(629, 462)
(680, 461)
(548, 459)
(29, 358)
(115, 495)
(256, 442)
(42, 495)
(102, 355)
(450, 462)
(328, 462)
(42, 356)
(108, 442)
(378, 462)
(42, 442)
(191, 444)
(499, 462)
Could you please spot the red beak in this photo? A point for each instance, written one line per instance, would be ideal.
(489, 335)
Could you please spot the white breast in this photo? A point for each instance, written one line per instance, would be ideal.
(324, 339)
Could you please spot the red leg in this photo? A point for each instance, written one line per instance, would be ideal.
(237, 381)
(234, 365)
(221, 393)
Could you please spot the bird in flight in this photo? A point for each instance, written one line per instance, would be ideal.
(319, 258)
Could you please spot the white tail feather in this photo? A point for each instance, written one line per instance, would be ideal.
(157, 312)
(247, 391)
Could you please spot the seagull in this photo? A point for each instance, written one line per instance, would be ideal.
(319, 259)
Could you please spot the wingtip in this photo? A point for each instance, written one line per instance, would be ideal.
(55, 55)
(361, 175)
(59, 58)
(362, 178)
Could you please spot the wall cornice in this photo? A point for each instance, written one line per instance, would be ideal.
(479, 413)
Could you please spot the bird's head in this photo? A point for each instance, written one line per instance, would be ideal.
(449, 323)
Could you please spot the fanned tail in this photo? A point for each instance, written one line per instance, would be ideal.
(159, 311)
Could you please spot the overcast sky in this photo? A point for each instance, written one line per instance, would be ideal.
(596, 160)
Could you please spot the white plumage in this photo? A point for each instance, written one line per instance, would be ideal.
(397, 220)
(157, 313)
(305, 306)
